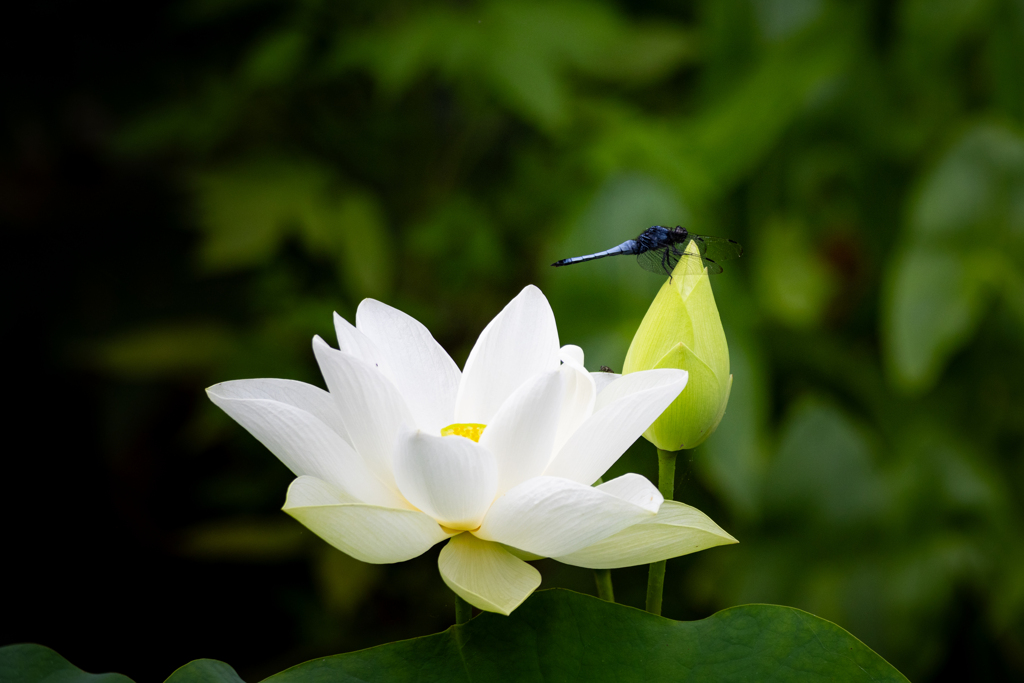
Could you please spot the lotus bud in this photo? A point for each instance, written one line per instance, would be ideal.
(682, 330)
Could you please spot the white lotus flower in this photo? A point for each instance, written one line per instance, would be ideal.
(405, 452)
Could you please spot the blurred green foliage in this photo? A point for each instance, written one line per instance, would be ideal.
(438, 156)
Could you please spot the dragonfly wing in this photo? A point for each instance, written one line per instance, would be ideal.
(718, 248)
(663, 261)
(658, 261)
(713, 268)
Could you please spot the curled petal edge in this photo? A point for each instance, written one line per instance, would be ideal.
(676, 530)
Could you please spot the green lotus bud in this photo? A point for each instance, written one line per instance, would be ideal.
(682, 330)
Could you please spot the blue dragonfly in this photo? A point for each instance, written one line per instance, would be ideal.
(658, 250)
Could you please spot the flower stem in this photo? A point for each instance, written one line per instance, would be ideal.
(656, 575)
(463, 611)
(604, 584)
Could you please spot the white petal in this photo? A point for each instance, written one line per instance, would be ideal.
(579, 397)
(307, 491)
(425, 375)
(603, 379)
(570, 353)
(522, 433)
(633, 383)
(304, 444)
(623, 411)
(520, 342)
(370, 406)
(486, 575)
(355, 343)
(451, 478)
(522, 554)
(552, 517)
(378, 535)
(635, 489)
(313, 400)
(676, 530)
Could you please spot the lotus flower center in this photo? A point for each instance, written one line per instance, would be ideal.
(470, 430)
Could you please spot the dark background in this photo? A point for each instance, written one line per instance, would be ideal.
(189, 189)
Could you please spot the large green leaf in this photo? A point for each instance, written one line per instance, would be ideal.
(205, 671)
(30, 663)
(558, 635)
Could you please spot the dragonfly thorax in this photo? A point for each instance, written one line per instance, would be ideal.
(658, 236)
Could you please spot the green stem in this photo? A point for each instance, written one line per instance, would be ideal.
(604, 584)
(656, 575)
(463, 611)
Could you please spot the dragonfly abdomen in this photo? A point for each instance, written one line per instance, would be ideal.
(627, 247)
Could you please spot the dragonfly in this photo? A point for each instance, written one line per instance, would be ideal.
(658, 250)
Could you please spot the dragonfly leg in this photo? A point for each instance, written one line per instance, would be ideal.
(665, 265)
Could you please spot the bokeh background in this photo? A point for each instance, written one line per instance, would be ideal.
(190, 188)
